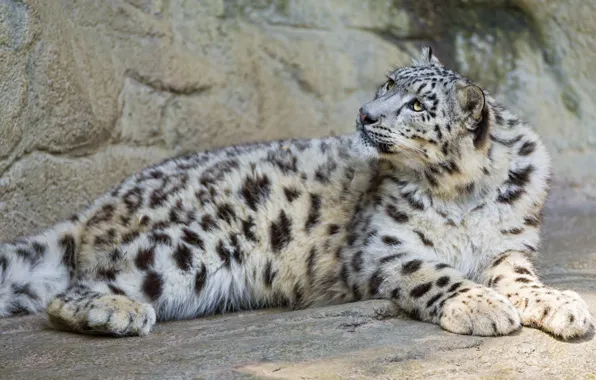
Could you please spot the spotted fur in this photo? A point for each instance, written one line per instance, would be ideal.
(434, 203)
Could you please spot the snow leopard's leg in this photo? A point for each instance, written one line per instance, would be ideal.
(561, 313)
(98, 308)
(157, 275)
(435, 292)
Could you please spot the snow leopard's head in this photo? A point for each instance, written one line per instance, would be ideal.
(424, 115)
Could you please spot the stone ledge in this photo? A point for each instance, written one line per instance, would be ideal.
(364, 340)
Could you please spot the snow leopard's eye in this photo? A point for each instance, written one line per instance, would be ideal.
(416, 106)
(390, 84)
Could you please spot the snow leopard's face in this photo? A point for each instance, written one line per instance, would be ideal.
(423, 114)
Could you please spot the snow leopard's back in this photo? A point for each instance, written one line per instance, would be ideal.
(213, 231)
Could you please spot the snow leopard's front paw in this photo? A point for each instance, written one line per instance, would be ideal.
(561, 313)
(478, 310)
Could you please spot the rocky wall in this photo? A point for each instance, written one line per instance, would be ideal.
(91, 91)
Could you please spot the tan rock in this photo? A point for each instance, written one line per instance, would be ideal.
(77, 77)
(361, 340)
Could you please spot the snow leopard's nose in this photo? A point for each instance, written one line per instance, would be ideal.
(366, 118)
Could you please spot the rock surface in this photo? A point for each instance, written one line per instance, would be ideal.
(91, 91)
(364, 340)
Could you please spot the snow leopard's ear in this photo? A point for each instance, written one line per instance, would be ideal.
(427, 58)
(470, 99)
(471, 104)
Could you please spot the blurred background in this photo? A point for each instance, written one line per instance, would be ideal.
(91, 91)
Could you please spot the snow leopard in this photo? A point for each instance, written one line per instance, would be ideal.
(434, 202)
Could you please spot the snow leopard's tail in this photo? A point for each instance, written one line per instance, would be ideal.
(35, 269)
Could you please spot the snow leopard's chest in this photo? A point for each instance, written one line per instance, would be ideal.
(464, 237)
